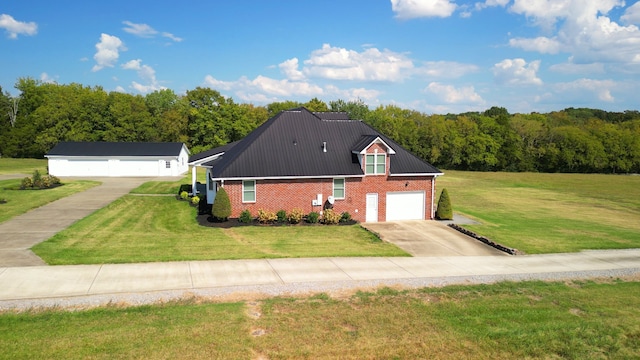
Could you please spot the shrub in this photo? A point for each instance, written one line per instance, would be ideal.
(313, 217)
(245, 217)
(445, 211)
(184, 195)
(54, 180)
(345, 216)
(195, 200)
(295, 216)
(37, 179)
(266, 217)
(282, 216)
(331, 217)
(221, 209)
(45, 182)
(26, 183)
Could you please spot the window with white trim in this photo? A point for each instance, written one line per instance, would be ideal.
(248, 191)
(375, 164)
(338, 188)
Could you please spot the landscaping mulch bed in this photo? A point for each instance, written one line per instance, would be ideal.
(210, 221)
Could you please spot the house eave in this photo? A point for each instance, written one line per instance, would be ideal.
(287, 177)
(419, 174)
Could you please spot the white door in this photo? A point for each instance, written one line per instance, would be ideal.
(405, 205)
(372, 208)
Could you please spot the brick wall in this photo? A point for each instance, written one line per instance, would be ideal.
(274, 195)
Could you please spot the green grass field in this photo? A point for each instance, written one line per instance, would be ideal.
(22, 166)
(528, 320)
(151, 228)
(546, 213)
(21, 201)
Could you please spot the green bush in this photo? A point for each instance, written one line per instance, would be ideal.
(330, 217)
(184, 195)
(295, 216)
(195, 200)
(282, 216)
(245, 217)
(26, 183)
(445, 211)
(221, 209)
(313, 217)
(345, 216)
(37, 179)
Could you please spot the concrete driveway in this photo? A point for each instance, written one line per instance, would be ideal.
(430, 238)
(19, 234)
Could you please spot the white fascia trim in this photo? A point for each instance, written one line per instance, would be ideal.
(418, 174)
(291, 177)
(151, 157)
(204, 160)
(390, 152)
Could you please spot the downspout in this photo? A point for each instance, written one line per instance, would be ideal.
(193, 179)
(433, 196)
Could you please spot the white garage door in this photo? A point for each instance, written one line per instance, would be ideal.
(86, 168)
(406, 205)
(136, 168)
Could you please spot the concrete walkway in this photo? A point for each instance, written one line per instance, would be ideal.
(42, 282)
(20, 233)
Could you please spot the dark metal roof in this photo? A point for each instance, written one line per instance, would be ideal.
(212, 152)
(116, 149)
(332, 115)
(291, 144)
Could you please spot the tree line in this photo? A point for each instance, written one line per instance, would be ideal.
(571, 140)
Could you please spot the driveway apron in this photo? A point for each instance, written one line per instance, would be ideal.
(19, 234)
(430, 238)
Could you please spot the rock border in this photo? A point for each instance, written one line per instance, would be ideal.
(486, 240)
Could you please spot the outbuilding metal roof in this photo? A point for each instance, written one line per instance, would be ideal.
(115, 149)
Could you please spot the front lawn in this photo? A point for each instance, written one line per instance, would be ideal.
(547, 213)
(22, 166)
(527, 320)
(150, 228)
(20, 201)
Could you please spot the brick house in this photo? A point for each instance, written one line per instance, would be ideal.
(300, 159)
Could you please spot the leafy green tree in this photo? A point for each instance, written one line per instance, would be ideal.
(445, 210)
(221, 209)
(316, 105)
(356, 109)
(276, 107)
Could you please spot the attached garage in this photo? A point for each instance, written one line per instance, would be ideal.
(113, 159)
(405, 205)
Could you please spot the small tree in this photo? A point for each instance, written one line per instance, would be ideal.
(221, 209)
(445, 211)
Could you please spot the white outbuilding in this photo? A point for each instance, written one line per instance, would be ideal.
(115, 159)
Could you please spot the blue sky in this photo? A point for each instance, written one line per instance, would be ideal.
(434, 56)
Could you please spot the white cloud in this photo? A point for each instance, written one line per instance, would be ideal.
(172, 37)
(109, 48)
(491, 3)
(142, 30)
(120, 89)
(146, 73)
(370, 65)
(586, 88)
(445, 69)
(44, 77)
(15, 28)
(632, 14)
(540, 44)
(266, 85)
(583, 29)
(571, 68)
(290, 69)
(517, 72)
(410, 9)
(452, 95)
